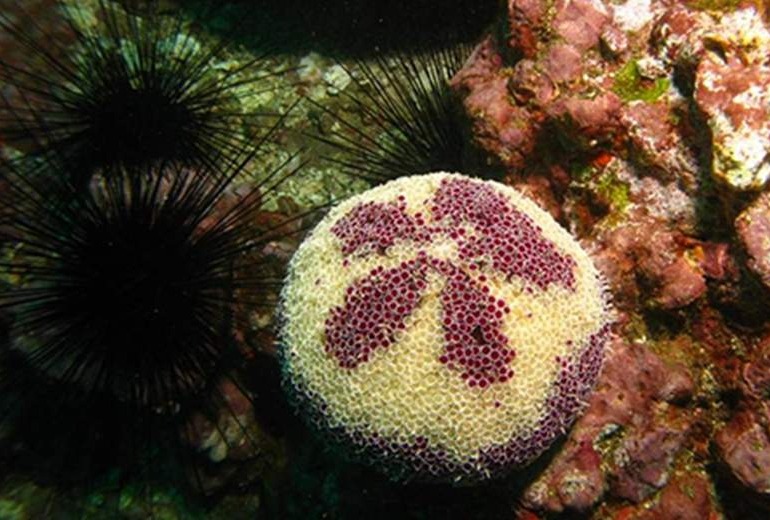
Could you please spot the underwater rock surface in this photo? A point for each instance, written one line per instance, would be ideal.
(635, 395)
(581, 68)
(753, 228)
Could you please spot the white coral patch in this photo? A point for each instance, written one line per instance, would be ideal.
(744, 31)
(741, 158)
(633, 14)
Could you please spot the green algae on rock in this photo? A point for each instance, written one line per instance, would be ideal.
(630, 85)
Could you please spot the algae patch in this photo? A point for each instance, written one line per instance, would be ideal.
(630, 85)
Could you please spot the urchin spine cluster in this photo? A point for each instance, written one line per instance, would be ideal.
(124, 245)
(129, 285)
(126, 92)
(413, 121)
(122, 304)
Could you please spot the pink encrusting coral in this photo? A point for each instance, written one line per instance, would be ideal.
(445, 327)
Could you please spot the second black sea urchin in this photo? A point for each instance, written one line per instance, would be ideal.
(404, 117)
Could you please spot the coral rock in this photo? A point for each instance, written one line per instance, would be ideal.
(744, 446)
(508, 131)
(678, 284)
(669, 265)
(634, 390)
(756, 373)
(632, 15)
(564, 63)
(677, 387)
(673, 278)
(580, 487)
(732, 89)
(655, 141)
(614, 40)
(525, 17)
(644, 459)
(753, 228)
(580, 22)
(588, 120)
(678, 36)
(687, 497)
(717, 262)
(529, 84)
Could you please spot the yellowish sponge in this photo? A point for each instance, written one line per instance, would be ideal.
(442, 327)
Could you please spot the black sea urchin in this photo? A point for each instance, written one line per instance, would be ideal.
(407, 118)
(109, 89)
(121, 300)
